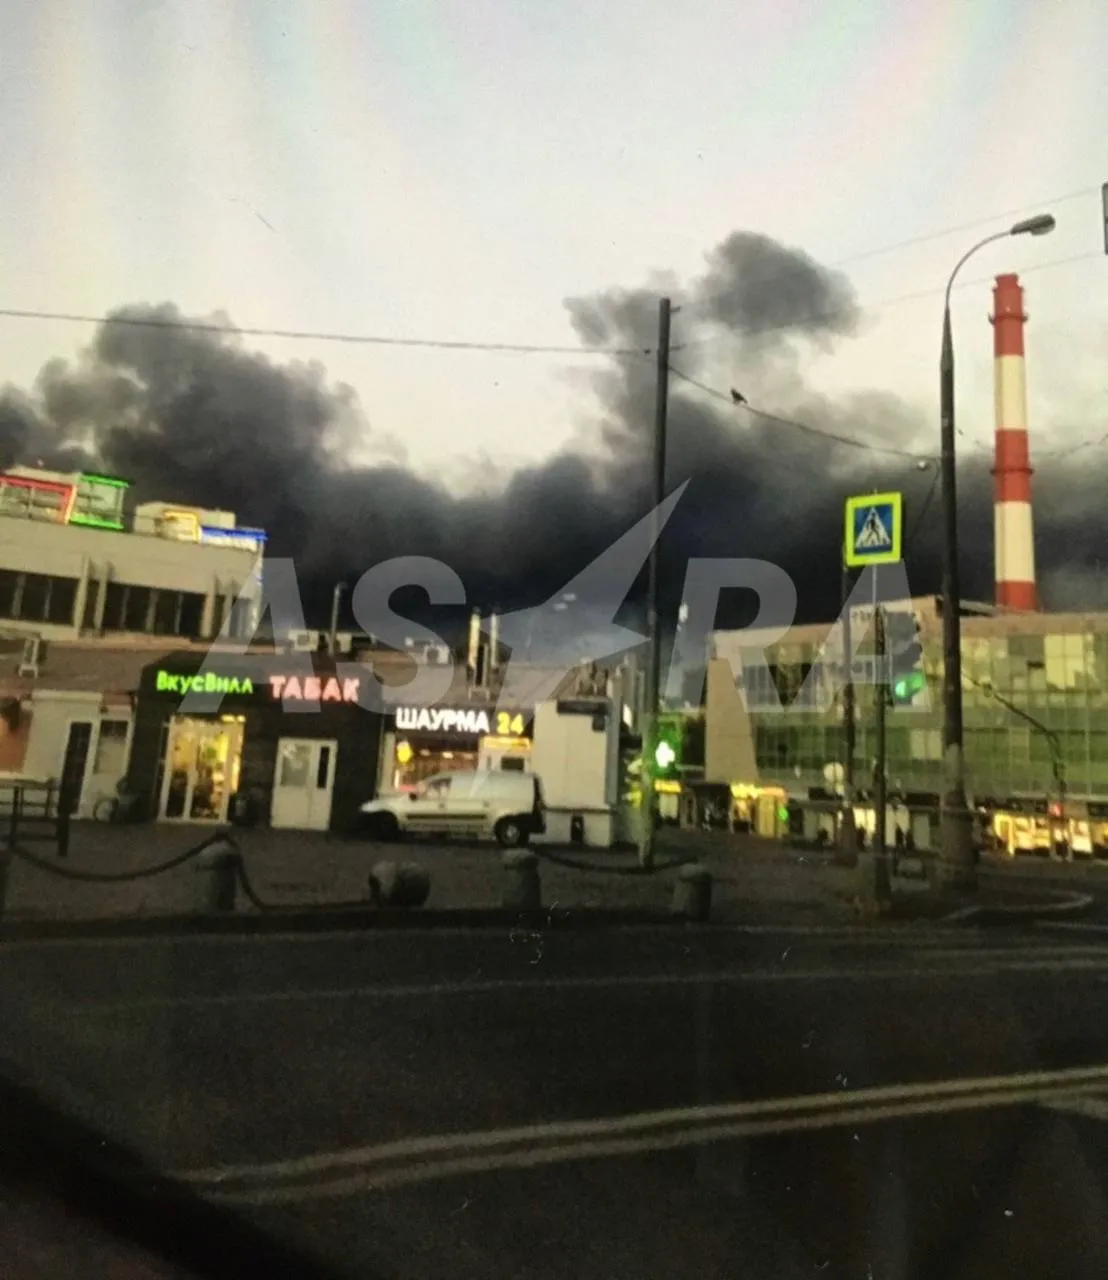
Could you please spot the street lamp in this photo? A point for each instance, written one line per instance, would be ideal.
(955, 821)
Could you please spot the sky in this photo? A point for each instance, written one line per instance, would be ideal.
(403, 169)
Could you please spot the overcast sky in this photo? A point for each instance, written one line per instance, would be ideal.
(419, 169)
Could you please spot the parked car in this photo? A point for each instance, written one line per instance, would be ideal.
(504, 805)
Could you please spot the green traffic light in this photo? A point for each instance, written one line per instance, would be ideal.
(906, 688)
(664, 755)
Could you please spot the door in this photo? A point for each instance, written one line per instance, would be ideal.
(202, 769)
(74, 765)
(303, 782)
(425, 809)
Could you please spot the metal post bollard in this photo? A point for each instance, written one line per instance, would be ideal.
(692, 894)
(522, 889)
(6, 857)
(219, 870)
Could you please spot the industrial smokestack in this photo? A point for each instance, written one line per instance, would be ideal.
(1013, 528)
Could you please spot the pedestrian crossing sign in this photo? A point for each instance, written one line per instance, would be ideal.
(873, 529)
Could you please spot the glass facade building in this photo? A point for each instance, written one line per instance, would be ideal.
(1034, 687)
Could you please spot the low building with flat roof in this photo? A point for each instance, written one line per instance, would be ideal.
(1035, 696)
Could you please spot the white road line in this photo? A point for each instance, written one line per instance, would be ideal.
(606, 1140)
(981, 967)
(1092, 1108)
(1072, 926)
(877, 935)
(643, 1122)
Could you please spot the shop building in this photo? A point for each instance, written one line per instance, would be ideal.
(71, 720)
(460, 734)
(270, 738)
(77, 563)
(1035, 694)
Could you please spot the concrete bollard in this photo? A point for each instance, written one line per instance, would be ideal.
(522, 889)
(218, 880)
(692, 894)
(394, 884)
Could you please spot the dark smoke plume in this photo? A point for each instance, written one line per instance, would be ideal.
(192, 415)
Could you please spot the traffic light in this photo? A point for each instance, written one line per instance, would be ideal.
(667, 751)
(907, 679)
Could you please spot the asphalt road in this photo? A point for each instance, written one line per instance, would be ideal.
(636, 1103)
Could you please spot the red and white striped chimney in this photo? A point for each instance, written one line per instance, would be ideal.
(1013, 529)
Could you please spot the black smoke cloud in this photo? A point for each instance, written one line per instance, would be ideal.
(192, 415)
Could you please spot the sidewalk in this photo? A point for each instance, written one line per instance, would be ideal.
(754, 881)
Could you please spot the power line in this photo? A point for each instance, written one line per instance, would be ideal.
(359, 339)
(965, 226)
(526, 348)
(976, 447)
(826, 317)
(912, 533)
(805, 427)
(941, 234)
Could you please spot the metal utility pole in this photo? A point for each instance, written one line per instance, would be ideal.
(336, 604)
(1104, 211)
(955, 822)
(653, 627)
(880, 774)
(848, 836)
(956, 863)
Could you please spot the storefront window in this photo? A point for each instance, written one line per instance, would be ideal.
(111, 748)
(202, 771)
(422, 758)
(296, 764)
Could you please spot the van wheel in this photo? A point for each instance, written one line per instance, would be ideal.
(509, 833)
(383, 826)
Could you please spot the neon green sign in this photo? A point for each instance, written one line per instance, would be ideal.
(205, 682)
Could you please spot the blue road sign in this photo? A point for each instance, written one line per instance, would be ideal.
(874, 523)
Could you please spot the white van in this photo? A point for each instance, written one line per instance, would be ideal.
(505, 805)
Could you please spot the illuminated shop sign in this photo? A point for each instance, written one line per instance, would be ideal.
(314, 688)
(204, 682)
(476, 723)
(242, 539)
(282, 688)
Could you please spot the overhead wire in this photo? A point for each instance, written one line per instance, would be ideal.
(916, 455)
(941, 234)
(526, 348)
(796, 424)
(360, 339)
(827, 317)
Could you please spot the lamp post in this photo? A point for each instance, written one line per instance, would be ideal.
(955, 820)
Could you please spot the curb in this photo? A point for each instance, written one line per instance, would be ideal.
(323, 920)
(1063, 904)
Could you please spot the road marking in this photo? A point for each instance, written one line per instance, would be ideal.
(981, 966)
(1072, 926)
(449, 1155)
(876, 934)
(1089, 1108)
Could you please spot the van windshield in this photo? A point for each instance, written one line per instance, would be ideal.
(433, 787)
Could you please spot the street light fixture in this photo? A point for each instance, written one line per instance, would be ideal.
(955, 821)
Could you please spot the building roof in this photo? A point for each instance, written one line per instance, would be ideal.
(974, 626)
(116, 668)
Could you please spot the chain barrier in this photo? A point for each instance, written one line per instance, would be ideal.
(250, 893)
(120, 877)
(576, 865)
